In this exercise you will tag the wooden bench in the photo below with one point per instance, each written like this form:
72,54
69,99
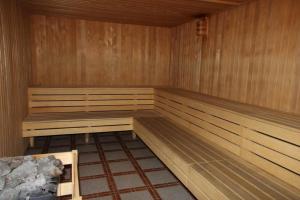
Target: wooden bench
57,111
218,149
224,150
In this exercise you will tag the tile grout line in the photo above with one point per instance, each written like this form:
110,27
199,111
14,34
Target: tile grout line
142,175
107,171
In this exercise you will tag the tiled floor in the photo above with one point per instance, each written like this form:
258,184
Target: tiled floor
113,167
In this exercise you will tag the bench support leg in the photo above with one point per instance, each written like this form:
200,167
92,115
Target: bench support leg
133,135
31,141
87,138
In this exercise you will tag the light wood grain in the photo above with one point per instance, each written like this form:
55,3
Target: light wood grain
246,136
43,100
60,115
14,66
207,170
79,53
251,55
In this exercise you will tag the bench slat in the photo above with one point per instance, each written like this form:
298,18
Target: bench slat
273,147
43,100
228,178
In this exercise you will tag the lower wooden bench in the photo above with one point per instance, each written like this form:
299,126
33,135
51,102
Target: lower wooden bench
47,124
208,171
68,188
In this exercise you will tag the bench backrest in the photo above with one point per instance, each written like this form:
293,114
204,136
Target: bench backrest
268,145
43,100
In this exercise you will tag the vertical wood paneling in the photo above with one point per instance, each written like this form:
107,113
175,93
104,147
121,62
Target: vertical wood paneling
71,52
14,61
251,55
186,56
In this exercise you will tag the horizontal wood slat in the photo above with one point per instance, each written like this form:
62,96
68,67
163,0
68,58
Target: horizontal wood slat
89,99
74,130
73,91
266,144
91,108
88,103
76,123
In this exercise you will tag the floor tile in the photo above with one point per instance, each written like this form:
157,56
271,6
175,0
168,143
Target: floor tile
135,144
139,153
115,155
150,163
113,150
86,148
141,195
91,170
111,146
124,166
159,177
88,157
126,137
59,149
92,186
128,181
107,138
175,193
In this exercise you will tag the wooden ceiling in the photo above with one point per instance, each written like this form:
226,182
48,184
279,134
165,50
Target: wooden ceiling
145,12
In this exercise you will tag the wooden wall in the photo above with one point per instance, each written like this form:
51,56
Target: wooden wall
186,56
14,62
251,55
69,52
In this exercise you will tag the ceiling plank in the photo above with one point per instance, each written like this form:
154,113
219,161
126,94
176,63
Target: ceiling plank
154,12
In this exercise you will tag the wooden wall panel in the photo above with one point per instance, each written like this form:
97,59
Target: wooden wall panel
186,56
71,52
14,62
251,55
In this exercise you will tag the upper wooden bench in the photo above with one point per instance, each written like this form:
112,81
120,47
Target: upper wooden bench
56,111
224,150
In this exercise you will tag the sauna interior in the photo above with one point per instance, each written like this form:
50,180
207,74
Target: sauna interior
153,99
